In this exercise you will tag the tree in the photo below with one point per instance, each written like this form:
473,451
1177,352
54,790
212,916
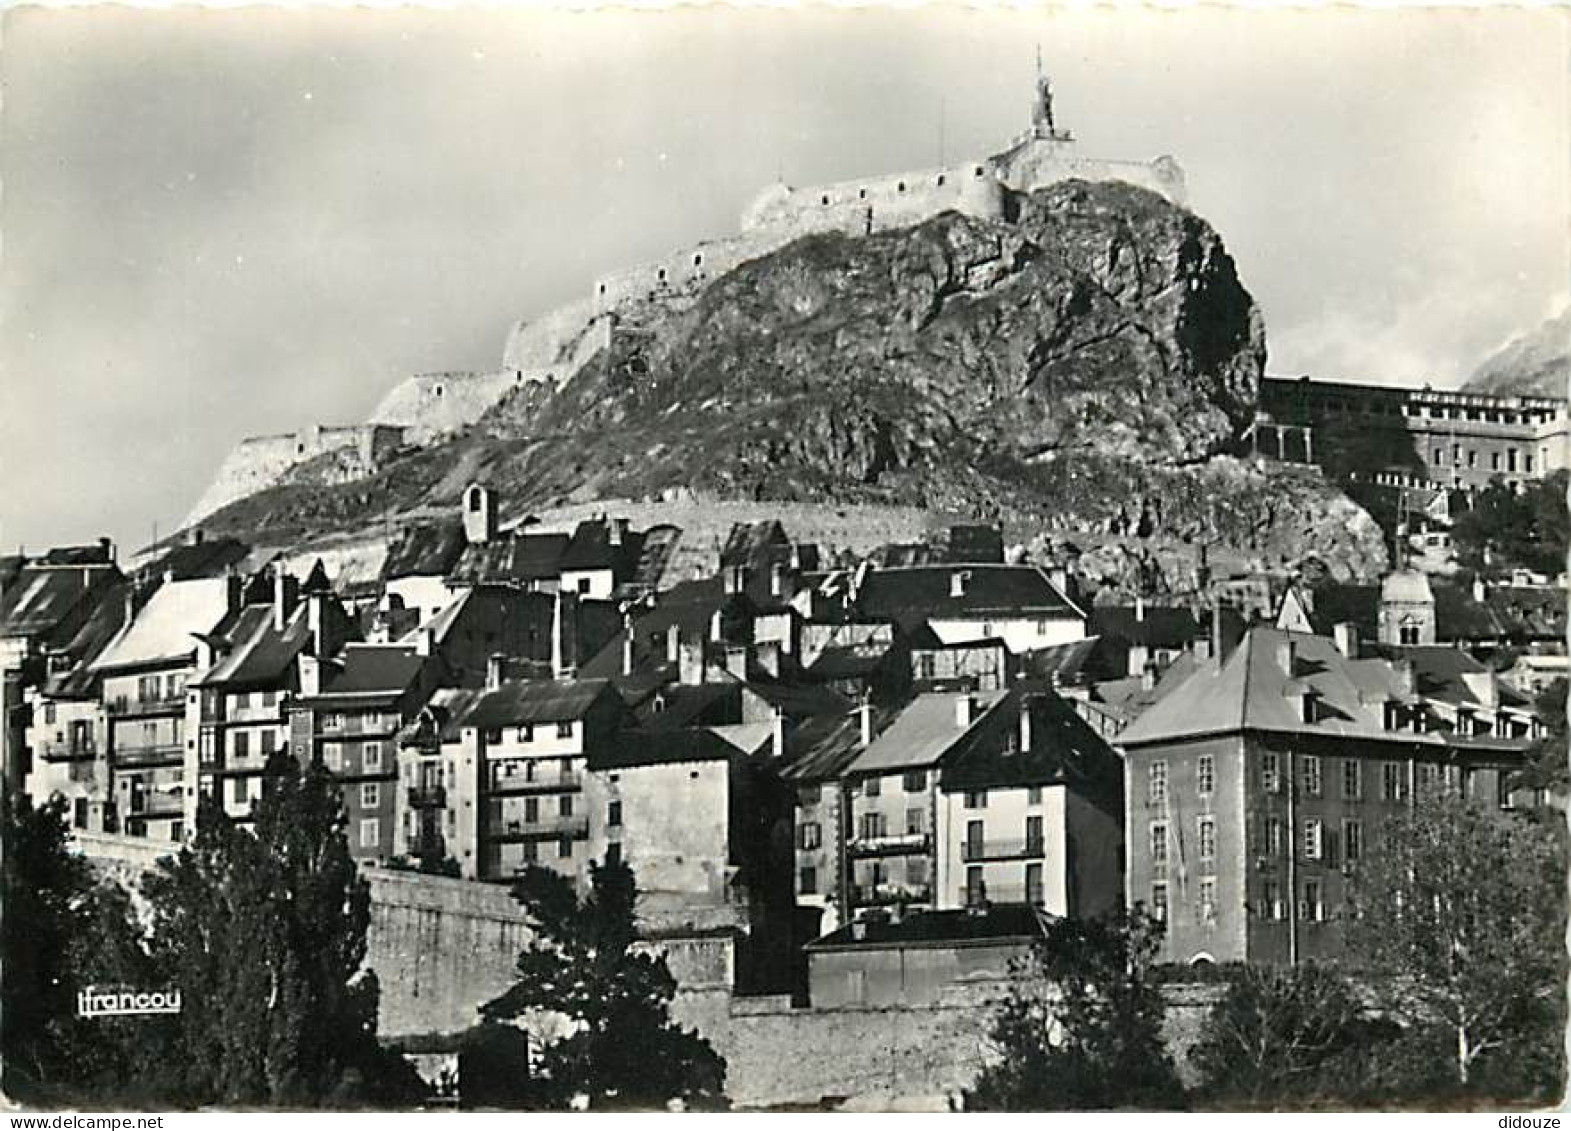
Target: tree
623,1050
264,933
1464,908
1504,528
1269,1038
1546,763
1082,1029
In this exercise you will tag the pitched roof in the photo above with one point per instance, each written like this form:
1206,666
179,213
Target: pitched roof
1342,603
103,624
924,732
368,669
42,597
755,545
988,589
823,746
535,701
636,747
1406,586
259,655
211,557
1064,662
511,560
164,629
592,547
1152,626
1252,688
426,550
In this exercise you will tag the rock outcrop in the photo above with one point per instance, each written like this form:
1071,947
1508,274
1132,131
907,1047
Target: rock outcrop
1535,364
1087,360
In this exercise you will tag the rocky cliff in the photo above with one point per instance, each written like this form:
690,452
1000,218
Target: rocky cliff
1086,361
1537,363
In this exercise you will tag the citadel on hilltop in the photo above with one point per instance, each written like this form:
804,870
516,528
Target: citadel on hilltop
554,347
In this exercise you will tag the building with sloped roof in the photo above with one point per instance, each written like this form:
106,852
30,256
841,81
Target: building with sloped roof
1018,604
1254,789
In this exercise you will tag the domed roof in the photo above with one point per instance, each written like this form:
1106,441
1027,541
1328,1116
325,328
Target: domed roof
769,199
1406,586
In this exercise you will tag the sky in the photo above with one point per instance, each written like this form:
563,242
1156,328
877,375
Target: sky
224,223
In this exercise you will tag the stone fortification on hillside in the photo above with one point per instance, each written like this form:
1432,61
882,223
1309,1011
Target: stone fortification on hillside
551,350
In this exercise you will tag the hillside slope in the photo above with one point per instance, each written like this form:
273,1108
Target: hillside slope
1086,362
1537,363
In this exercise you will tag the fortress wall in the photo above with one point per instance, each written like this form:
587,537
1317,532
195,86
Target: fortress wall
258,462
431,404
554,339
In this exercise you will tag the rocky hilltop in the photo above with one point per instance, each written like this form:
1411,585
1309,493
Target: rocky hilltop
1537,363
1086,361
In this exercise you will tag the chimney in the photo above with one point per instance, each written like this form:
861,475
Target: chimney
425,642
310,674
957,582
564,636
673,644
1403,679
1148,678
616,531
733,580
108,547
627,647
777,580
1480,590
865,719
965,709
193,537
1218,645
1139,659
736,661
777,733
1140,609
1286,653
1346,636
314,609
1025,723
1059,576
690,670
283,597
495,670
716,626
234,594
1201,648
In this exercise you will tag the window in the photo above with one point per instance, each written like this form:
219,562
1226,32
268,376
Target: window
1159,902
613,815
564,730
1311,908
269,698
872,787
492,736
915,820
370,833
269,743
242,743
331,721
531,851
370,795
1274,835
915,781
976,887
613,853
976,799
810,836
1156,784
1494,461
1208,900
1034,834
564,805
79,812
1352,841
1270,773
1312,775
1392,787
1034,795
1314,839
1207,838
1205,774
807,881
1034,885
975,831
564,848
916,870
1159,843
371,757
531,810
237,791
1352,779
872,826
526,733
1271,902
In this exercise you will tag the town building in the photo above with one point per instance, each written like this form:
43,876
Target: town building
1018,604
1254,788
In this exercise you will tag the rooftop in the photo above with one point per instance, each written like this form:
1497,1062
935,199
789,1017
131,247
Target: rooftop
895,594
165,628
996,923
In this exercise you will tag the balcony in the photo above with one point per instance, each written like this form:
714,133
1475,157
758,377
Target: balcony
428,845
163,754
546,828
427,797
518,784
887,895
68,751
999,893
154,804
906,844
123,708
1029,848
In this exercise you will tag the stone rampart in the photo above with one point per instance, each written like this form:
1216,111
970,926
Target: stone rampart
259,462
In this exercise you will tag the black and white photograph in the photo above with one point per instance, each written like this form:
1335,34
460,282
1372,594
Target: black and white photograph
756,558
